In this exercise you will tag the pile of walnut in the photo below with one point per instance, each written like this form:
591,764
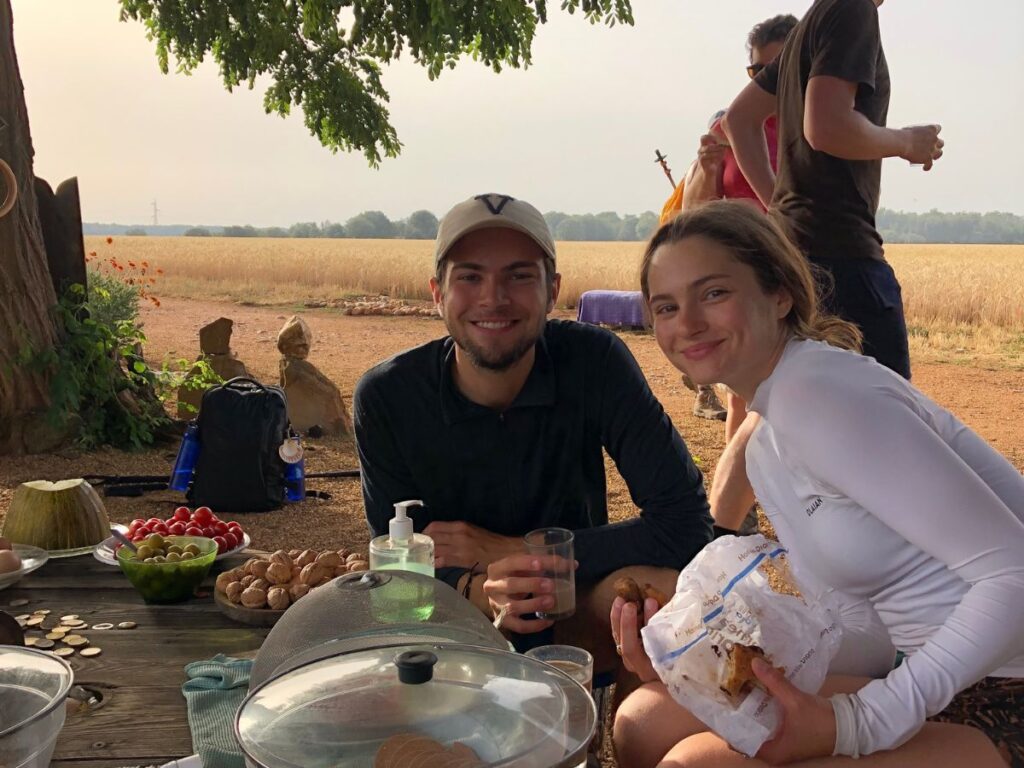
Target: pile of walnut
387,306
286,577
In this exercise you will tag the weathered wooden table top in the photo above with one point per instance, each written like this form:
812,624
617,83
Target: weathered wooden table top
142,718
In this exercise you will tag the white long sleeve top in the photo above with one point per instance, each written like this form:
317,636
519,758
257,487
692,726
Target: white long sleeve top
883,494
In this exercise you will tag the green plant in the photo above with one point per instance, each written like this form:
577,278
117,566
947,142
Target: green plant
111,299
98,376
196,375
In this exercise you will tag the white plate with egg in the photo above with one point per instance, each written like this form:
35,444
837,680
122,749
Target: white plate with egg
31,558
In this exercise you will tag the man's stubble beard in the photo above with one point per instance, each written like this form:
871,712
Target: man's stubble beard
479,357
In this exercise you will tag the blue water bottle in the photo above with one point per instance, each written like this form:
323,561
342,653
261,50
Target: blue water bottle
294,469
185,464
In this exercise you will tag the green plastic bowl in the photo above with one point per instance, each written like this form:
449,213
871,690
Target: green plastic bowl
169,582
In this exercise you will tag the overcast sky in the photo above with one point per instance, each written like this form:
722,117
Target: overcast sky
576,132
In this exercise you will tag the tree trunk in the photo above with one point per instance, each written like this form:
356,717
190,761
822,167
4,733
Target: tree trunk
26,292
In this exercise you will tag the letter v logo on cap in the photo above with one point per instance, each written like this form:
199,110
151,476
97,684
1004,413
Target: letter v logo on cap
492,206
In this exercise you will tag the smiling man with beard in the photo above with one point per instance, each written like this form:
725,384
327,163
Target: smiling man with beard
501,428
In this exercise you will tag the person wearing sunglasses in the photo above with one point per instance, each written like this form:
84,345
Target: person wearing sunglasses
714,175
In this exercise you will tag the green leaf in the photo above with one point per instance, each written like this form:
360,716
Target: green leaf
301,46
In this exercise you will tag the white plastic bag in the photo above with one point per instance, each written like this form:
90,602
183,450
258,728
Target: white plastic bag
724,597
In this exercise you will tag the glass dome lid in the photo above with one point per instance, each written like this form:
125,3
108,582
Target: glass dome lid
425,704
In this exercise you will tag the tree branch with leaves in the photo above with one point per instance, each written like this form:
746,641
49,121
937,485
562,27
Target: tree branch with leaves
325,56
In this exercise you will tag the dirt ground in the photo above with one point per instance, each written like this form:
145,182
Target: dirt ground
988,400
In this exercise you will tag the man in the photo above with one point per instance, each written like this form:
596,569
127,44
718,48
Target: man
830,89
499,427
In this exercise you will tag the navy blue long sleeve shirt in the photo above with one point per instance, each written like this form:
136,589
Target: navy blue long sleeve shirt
539,462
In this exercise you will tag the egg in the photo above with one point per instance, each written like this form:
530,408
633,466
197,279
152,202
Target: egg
9,561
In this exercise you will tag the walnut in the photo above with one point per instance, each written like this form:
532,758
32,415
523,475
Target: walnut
294,553
223,580
279,573
328,559
298,590
260,584
354,556
233,591
358,565
247,580
254,598
343,553
341,570
659,597
278,598
630,591
259,569
312,574
282,558
308,556
247,568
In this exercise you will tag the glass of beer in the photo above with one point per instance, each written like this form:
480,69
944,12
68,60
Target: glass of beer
554,548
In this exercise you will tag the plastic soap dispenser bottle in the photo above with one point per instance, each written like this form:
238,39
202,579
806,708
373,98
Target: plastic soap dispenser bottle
401,549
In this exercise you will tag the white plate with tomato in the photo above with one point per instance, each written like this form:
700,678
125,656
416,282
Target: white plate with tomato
229,535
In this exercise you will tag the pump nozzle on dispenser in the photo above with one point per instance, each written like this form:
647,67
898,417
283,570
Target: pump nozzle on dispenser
400,527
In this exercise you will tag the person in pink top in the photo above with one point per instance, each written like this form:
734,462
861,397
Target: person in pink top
715,175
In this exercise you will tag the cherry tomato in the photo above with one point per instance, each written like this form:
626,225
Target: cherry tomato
135,525
143,530
177,529
220,528
203,515
193,530
182,513
222,545
153,522
161,528
234,525
231,539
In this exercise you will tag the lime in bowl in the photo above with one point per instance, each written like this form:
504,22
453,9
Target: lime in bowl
167,569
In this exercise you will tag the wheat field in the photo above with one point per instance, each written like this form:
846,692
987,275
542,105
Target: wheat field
959,299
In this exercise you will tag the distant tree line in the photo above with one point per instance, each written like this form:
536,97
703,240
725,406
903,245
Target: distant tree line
895,226
421,225
938,227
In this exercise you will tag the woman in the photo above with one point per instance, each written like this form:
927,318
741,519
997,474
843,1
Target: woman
876,492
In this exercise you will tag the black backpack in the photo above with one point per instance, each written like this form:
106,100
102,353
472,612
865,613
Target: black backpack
242,424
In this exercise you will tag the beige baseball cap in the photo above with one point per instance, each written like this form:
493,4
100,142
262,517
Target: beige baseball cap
492,210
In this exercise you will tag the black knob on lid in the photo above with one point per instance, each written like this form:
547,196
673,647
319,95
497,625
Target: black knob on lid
415,667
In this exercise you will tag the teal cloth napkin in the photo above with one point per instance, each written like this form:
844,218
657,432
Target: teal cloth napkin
213,692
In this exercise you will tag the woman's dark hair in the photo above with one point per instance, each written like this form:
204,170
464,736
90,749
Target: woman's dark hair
773,30
755,240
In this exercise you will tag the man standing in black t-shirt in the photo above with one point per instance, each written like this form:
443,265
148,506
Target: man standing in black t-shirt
830,89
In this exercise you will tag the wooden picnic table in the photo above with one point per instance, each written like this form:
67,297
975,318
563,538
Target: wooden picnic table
141,719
